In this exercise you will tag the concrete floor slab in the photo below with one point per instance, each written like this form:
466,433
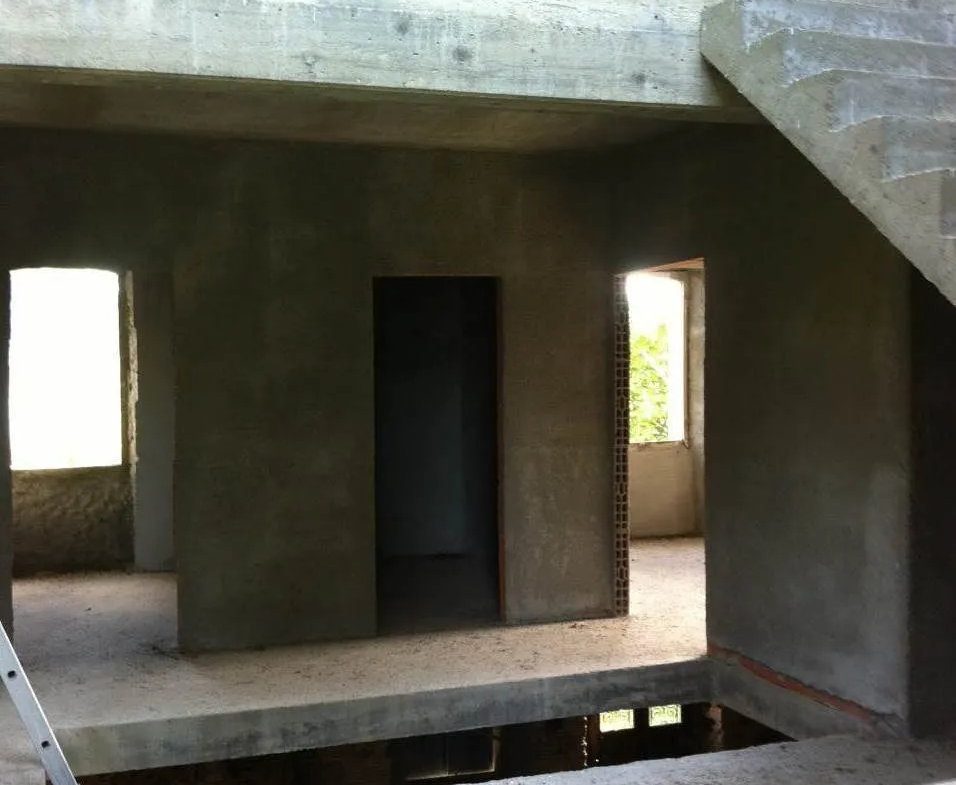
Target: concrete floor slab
835,760
101,650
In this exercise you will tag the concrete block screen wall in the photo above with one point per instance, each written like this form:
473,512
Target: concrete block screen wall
273,249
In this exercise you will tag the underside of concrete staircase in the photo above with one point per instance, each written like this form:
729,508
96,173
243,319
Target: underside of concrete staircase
868,93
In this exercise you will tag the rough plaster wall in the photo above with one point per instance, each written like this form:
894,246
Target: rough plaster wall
661,490
274,249
807,385
67,520
273,345
80,200
933,544
558,446
537,224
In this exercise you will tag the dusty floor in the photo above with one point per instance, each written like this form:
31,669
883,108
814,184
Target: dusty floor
668,586
101,651
835,760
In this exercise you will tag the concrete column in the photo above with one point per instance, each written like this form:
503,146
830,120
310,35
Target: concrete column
6,496
152,413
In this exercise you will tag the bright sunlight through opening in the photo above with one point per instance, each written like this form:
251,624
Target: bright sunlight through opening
65,385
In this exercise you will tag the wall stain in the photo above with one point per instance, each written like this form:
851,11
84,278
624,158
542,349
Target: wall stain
462,54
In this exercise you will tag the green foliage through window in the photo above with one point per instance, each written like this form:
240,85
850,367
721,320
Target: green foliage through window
648,391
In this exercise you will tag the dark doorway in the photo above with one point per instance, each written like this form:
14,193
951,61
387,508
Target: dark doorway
436,452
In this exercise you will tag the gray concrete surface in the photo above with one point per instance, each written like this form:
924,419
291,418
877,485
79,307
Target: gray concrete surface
273,349
101,650
644,53
274,473
808,436
796,71
557,507
267,281
152,406
696,400
26,773
668,585
838,760
68,520
221,108
807,362
661,490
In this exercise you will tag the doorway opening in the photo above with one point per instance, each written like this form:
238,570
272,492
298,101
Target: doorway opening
659,441
436,452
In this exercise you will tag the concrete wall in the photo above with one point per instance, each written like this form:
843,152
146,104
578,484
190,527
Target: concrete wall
933,538
645,53
661,490
273,250
274,494
696,436
274,411
807,365
68,520
151,402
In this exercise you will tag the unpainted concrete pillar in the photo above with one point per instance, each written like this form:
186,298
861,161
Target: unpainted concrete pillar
152,418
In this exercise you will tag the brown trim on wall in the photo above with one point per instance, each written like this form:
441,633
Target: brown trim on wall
790,684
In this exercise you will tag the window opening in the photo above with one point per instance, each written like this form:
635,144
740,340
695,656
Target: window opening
622,719
65,404
664,715
656,306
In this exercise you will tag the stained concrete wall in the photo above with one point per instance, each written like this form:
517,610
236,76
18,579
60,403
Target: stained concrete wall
273,339
273,250
67,520
807,365
539,224
933,538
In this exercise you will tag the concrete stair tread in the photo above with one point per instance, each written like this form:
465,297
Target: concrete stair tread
916,145
759,18
935,192
858,96
906,145
876,116
806,53
787,56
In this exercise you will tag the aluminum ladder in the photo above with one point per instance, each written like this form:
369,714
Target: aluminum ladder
31,714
